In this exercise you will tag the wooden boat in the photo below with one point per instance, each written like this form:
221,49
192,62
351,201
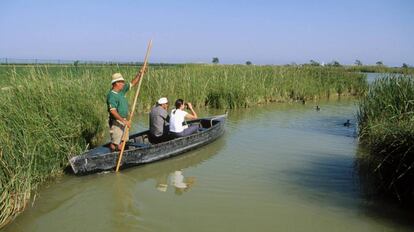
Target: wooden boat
139,150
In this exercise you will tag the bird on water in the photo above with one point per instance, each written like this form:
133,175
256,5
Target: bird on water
347,123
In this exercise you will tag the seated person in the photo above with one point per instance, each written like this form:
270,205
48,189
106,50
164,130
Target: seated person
177,117
158,120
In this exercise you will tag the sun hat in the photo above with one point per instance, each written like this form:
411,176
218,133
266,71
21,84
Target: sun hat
162,100
117,77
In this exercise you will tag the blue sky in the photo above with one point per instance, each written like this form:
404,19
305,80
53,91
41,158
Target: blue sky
264,32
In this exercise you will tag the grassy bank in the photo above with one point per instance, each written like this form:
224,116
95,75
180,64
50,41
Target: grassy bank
380,69
50,113
386,122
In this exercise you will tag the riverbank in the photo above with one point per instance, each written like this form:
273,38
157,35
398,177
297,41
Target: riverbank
51,113
386,126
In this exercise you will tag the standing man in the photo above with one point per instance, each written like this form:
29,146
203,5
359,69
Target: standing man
118,108
158,120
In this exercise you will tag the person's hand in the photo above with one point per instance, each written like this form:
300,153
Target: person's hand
189,105
126,123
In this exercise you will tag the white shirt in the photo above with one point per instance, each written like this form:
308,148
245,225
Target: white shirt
176,120
178,180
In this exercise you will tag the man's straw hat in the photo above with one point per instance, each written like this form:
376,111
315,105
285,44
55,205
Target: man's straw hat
117,77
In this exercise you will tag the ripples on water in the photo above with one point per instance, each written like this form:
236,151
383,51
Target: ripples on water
283,167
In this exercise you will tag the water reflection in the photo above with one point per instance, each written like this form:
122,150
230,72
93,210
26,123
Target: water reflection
375,204
126,208
177,180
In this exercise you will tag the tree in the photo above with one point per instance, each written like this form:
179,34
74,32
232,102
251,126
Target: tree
314,63
379,63
248,62
404,65
358,63
335,64
76,63
215,60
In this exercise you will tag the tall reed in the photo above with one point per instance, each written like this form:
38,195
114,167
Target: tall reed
386,122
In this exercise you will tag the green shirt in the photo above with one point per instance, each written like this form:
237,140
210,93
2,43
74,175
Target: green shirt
118,101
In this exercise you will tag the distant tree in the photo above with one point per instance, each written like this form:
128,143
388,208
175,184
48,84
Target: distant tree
404,65
335,64
215,60
358,63
379,63
314,63
248,62
76,63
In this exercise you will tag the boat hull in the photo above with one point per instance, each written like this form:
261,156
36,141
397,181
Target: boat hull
142,152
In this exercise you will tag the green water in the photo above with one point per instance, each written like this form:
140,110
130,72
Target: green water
280,167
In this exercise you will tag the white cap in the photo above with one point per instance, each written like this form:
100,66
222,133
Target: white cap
117,77
162,100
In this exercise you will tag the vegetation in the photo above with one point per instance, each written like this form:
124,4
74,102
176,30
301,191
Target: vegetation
50,113
380,69
386,123
215,60
314,63
334,64
358,63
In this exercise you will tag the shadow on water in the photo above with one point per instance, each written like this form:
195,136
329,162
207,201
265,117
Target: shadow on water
328,178
337,180
375,204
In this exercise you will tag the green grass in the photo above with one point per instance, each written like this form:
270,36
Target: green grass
380,69
52,112
386,122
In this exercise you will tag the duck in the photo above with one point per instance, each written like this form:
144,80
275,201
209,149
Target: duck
347,123
317,108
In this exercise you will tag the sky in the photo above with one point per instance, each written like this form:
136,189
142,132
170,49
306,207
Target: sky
260,31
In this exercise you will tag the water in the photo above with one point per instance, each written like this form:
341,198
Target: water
280,167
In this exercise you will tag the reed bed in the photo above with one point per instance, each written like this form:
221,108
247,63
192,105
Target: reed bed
244,86
380,69
386,122
50,113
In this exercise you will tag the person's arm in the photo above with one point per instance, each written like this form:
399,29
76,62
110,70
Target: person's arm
165,116
136,78
193,114
116,115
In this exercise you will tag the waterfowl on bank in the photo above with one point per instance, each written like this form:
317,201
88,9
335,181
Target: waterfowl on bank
347,123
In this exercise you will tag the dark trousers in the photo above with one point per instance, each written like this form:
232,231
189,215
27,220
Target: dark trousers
190,130
154,139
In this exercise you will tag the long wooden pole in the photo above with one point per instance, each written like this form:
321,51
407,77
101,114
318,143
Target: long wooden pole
126,130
